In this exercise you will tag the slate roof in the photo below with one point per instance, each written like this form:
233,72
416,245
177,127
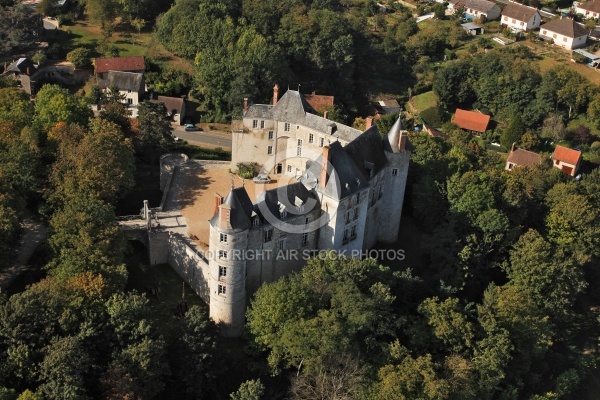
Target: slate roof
483,6
567,155
124,64
319,102
292,107
288,198
22,66
566,27
524,157
123,80
471,120
172,103
367,152
241,209
519,11
593,6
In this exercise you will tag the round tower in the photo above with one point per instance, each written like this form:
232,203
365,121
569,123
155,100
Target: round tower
227,283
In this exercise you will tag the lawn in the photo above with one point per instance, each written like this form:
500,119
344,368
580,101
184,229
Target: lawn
126,42
424,101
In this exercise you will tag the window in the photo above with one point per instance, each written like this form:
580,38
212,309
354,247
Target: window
353,232
262,124
347,217
282,244
223,237
544,32
306,220
256,221
268,235
554,36
222,272
286,127
129,101
322,142
356,213
283,213
311,138
346,236
289,168
222,254
269,149
299,142
270,135
222,290
304,239
394,171
564,39
254,123
380,191
299,151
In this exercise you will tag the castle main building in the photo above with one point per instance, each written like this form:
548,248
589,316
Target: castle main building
344,192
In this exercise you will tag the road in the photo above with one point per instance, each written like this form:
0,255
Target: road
211,139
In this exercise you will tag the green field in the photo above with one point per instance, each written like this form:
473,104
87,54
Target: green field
424,101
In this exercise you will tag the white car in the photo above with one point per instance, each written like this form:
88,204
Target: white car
261,178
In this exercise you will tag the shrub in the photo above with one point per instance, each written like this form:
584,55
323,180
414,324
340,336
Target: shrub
246,170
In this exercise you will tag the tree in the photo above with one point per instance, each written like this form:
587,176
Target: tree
249,390
103,13
80,57
19,28
138,24
54,104
333,306
39,57
48,7
15,106
154,130
513,132
554,127
64,368
449,323
452,85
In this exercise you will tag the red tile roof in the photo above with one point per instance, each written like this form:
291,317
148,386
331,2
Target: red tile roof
319,102
566,155
123,64
524,157
471,120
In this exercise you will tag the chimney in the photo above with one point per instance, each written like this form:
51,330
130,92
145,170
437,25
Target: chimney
402,141
218,202
275,93
369,122
324,166
512,148
325,114
245,104
27,71
224,216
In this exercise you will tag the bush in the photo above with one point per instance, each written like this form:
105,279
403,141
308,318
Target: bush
246,171
432,116
80,57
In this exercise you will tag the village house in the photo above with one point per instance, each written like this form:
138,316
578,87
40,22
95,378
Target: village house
130,85
176,109
26,72
564,32
471,121
567,160
518,17
482,9
133,64
521,158
320,103
589,9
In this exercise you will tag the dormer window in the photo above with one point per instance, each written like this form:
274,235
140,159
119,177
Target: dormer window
256,222
283,213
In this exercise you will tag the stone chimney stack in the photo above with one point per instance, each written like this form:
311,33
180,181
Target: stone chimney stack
27,71
368,122
245,104
512,148
324,166
325,114
218,202
402,141
275,94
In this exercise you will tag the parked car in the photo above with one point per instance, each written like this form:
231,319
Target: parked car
190,127
261,178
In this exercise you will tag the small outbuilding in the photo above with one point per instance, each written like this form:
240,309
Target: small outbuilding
521,158
472,29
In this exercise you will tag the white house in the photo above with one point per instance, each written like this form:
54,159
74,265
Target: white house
589,9
131,85
518,17
564,32
477,8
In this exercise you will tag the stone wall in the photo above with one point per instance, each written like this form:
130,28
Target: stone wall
187,260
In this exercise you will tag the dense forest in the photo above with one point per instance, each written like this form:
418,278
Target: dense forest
496,298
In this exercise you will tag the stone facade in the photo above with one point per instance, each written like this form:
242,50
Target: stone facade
347,196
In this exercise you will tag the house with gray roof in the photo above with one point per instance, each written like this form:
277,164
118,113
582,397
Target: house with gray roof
564,32
129,84
482,9
520,18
